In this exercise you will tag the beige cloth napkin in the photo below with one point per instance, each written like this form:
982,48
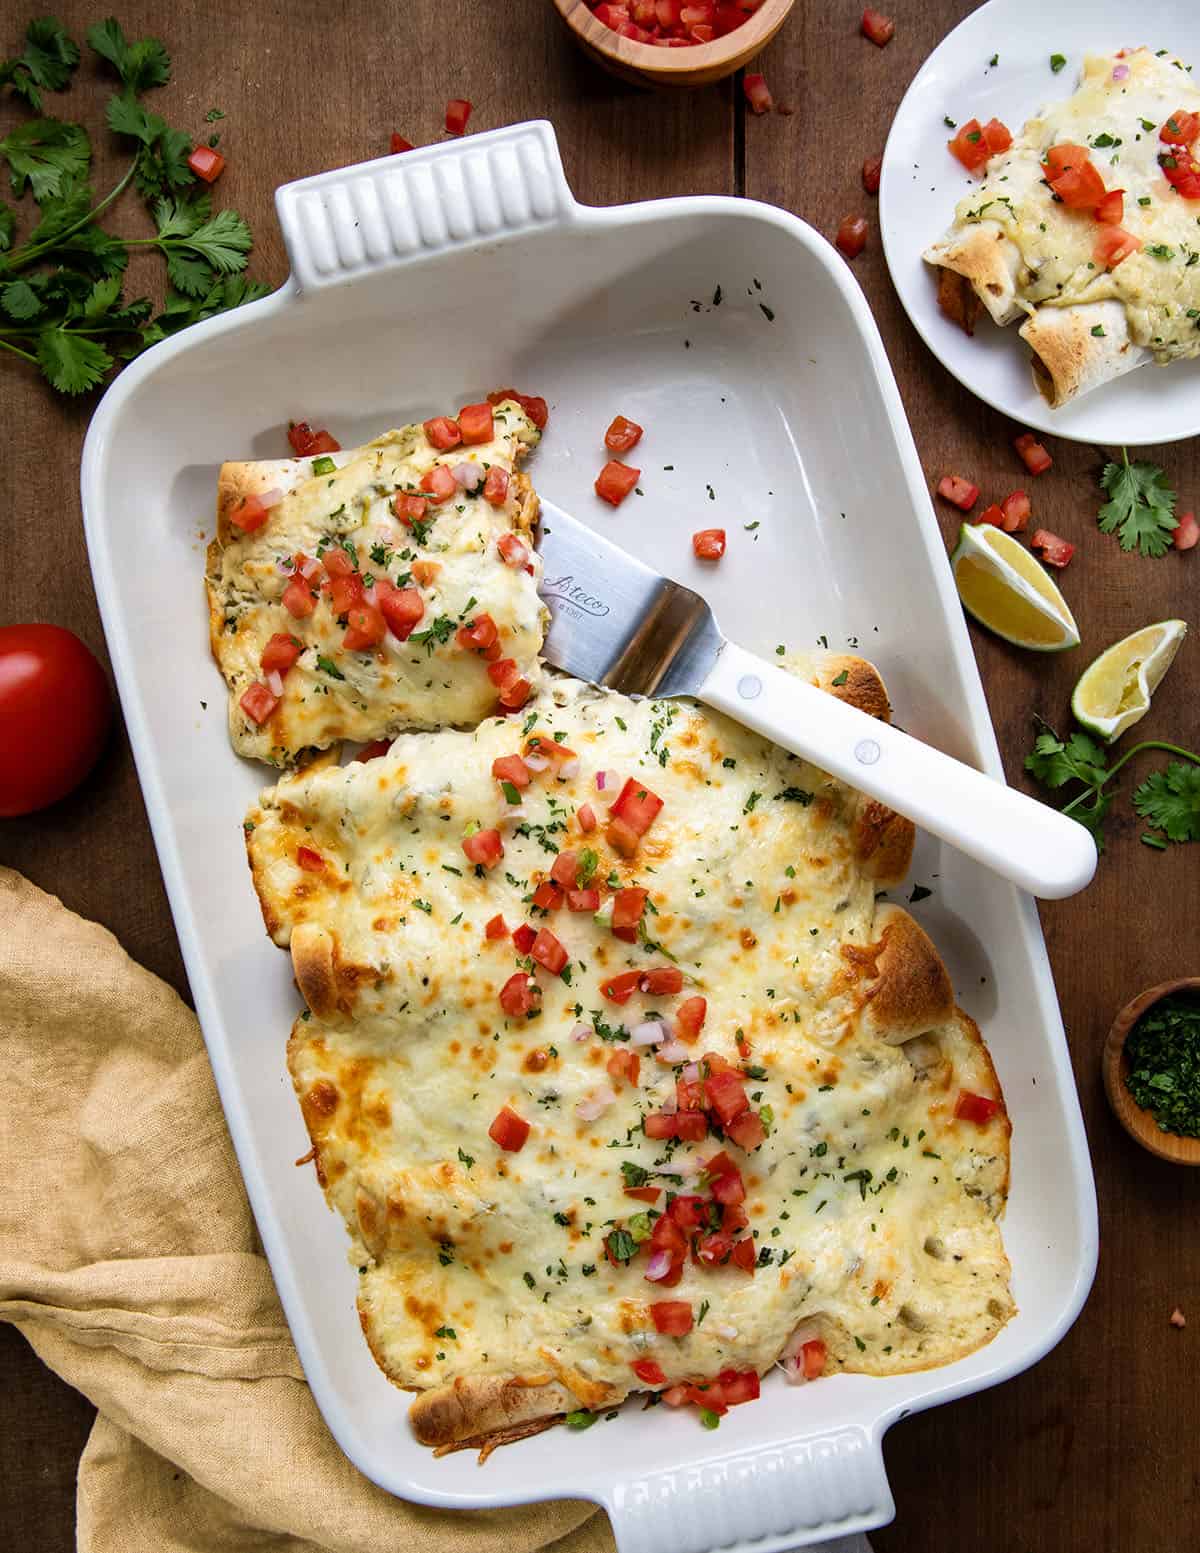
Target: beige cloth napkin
129,1259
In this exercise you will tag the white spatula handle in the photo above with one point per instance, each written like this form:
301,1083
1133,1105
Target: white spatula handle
1036,847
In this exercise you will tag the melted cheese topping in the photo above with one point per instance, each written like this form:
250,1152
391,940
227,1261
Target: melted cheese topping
872,1208
1119,121
428,681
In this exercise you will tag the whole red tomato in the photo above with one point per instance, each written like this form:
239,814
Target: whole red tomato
55,709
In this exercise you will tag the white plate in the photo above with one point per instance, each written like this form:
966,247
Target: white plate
922,183
419,282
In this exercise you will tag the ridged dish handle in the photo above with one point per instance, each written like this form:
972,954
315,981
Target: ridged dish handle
378,215
819,1492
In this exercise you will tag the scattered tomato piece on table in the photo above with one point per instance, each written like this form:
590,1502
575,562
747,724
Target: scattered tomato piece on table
615,481
758,94
1186,532
458,111
1033,454
206,163
872,172
961,492
400,144
1050,549
879,28
852,236
709,544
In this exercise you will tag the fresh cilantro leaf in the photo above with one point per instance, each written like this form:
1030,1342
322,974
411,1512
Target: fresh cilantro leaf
162,165
1170,801
140,65
45,155
126,116
181,217
103,297
20,301
189,274
223,242
1141,508
1092,814
49,57
71,363
8,225
1055,763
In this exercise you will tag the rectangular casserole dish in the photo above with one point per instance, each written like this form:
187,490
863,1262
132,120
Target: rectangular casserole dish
420,282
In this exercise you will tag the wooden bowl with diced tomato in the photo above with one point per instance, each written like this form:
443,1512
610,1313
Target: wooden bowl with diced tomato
699,40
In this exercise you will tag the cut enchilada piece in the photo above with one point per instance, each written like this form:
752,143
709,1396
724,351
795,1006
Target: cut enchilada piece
1086,229
498,1053
389,586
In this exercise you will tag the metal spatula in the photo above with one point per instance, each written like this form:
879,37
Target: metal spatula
617,623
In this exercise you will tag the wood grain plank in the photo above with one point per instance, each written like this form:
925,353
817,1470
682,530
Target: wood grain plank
1076,1454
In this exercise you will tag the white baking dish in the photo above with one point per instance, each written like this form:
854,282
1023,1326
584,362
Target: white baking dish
420,282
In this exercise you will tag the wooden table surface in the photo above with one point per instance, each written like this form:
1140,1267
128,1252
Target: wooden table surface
1095,1449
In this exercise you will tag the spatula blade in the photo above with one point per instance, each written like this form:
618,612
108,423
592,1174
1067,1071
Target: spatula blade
616,622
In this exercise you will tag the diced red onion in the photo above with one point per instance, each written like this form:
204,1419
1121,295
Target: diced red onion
536,762
608,781
371,595
689,1165
581,1032
310,568
271,498
1120,72
692,1072
672,1052
569,770
658,1266
670,1105
594,1104
793,1370
275,682
285,566
648,1034
467,474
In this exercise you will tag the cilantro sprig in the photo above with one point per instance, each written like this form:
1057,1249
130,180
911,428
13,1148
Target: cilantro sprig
61,304
1169,800
1141,506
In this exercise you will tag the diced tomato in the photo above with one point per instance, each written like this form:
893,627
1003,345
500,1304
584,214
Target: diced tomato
1186,532
673,1318
1114,245
621,987
628,906
338,562
306,442
520,995
649,1194
345,593
478,635
514,552
872,172
969,146
1111,209
249,515
258,702
758,93
443,432
739,1386
744,1255
688,1211
812,1358
206,163
549,749
667,1236
298,598
993,514
615,481
534,406
746,1130
515,692
509,1131
410,509
548,952
587,818
485,848
547,896
280,653
565,869
1063,157
1072,175
708,544
475,423
503,672
1182,171
495,487
728,1187
496,927
714,1249
648,1371
1033,454
637,806
734,1217
400,144
623,838
624,1064
622,435
661,981
961,492
1181,128
877,27
691,1126
852,236
511,768
366,628
1017,509
583,900
1051,549
658,1124
726,1096
458,111
439,482
971,1107
523,937
311,861
689,1018
375,748
402,608
996,137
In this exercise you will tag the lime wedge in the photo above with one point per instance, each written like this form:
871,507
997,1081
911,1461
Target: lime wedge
1001,584
1114,692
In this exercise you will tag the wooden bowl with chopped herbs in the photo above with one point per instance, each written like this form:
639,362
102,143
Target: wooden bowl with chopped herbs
1152,1069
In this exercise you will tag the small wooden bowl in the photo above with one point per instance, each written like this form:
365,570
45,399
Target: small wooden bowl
646,65
1138,1123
